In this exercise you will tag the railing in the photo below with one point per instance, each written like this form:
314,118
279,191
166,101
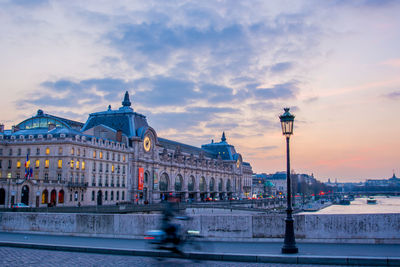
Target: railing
79,185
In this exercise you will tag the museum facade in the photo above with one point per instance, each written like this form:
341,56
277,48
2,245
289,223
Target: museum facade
114,157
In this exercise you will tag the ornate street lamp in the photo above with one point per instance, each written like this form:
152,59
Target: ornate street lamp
289,245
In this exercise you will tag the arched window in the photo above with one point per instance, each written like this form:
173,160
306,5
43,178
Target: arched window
164,182
191,184
203,185
212,183
146,177
53,196
228,185
2,196
61,196
45,197
220,185
178,183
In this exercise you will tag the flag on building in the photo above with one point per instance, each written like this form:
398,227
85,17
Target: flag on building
27,163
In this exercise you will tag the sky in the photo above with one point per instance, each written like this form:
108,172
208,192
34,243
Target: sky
198,68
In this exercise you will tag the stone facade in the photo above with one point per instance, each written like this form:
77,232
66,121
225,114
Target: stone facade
114,157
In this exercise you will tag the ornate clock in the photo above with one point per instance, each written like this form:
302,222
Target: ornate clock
147,143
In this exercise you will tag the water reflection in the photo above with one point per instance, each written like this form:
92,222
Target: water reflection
359,206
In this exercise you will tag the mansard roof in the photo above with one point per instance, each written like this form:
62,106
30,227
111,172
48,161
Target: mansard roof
124,119
169,144
222,148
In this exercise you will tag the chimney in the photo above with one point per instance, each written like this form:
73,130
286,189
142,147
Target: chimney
51,126
119,136
1,128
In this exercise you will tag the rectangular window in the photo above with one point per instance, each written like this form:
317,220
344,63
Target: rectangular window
18,164
123,158
112,168
79,152
59,176
46,176
37,163
59,164
83,165
1,151
10,152
77,164
18,175
101,154
9,164
19,151
36,175
107,155
94,154
28,151
47,151
1,164
9,175
71,164
94,166
60,150
72,151
46,163
37,151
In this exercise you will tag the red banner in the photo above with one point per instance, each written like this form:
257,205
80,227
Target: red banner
140,179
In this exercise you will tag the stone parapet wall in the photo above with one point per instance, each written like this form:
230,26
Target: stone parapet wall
357,228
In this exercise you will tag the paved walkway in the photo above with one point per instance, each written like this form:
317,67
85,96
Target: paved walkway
309,253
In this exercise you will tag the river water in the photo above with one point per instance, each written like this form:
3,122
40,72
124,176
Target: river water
359,206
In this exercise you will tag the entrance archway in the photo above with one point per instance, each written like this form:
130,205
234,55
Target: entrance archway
2,196
99,198
53,197
25,195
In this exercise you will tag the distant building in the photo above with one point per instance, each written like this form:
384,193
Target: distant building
114,157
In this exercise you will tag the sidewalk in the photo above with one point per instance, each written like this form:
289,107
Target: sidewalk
309,253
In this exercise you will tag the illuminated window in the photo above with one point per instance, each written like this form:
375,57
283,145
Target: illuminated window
77,164
83,165
123,158
37,163
72,151
18,164
101,154
72,164
59,163
112,168
46,163
60,150
9,175
94,154
47,151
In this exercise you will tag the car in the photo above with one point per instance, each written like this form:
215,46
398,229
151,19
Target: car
19,205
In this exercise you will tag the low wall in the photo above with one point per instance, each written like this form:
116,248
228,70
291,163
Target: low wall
357,228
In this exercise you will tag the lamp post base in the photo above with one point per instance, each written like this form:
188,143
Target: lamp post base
290,250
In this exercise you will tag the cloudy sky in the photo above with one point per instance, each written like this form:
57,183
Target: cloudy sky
197,68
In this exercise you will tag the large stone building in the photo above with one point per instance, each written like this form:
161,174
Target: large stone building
114,157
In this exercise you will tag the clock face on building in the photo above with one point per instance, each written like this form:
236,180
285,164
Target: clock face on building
147,143
238,163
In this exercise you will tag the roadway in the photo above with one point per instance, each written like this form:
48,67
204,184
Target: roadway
309,253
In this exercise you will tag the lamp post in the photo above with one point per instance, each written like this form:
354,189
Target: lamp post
289,245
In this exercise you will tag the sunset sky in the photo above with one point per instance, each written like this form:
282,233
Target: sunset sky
197,68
